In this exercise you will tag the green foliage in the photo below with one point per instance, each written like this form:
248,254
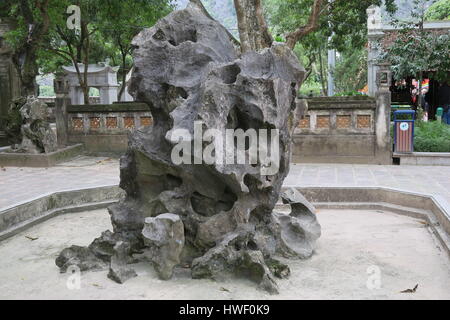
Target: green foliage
110,26
279,38
118,27
348,94
345,21
440,10
432,137
46,91
311,88
416,50
18,37
350,72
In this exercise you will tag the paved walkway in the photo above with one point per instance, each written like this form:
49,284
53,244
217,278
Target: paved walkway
19,185
422,179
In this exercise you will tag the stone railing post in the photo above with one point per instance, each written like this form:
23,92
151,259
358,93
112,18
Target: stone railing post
383,146
62,100
375,35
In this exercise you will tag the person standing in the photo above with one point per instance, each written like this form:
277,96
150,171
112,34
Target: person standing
444,101
424,104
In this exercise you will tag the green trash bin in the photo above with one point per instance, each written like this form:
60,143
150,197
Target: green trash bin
439,114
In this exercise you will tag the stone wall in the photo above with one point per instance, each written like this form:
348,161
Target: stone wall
105,128
334,130
340,130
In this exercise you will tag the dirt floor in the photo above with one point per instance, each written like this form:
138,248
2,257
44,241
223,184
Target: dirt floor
361,255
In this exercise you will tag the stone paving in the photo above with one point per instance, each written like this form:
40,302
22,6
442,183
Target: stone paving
19,185
433,180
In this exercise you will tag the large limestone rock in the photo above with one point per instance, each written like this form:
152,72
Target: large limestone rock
188,71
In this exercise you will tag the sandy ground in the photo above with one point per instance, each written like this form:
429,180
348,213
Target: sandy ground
354,246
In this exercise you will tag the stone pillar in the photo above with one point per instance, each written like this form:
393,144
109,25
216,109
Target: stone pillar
62,100
383,146
374,35
108,95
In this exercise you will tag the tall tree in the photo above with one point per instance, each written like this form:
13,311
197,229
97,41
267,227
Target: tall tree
416,50
439,10
119,27
74,45
32,23
345,21
327,24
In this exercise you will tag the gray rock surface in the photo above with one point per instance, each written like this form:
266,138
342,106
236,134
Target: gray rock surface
187,69
300,229
119,270
81,257
164,236
37,136
234,255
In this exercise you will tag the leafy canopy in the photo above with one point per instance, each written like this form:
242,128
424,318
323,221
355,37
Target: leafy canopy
416,50
440,10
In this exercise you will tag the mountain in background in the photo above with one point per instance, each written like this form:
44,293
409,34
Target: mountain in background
221,10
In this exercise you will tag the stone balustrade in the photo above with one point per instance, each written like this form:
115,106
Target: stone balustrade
339,115
105,128
338,129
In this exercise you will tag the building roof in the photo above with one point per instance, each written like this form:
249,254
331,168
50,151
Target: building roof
92,68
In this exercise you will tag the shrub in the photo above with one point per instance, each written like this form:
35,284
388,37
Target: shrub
349,94
432,137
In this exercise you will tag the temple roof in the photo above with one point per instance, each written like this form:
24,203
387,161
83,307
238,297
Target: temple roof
92,68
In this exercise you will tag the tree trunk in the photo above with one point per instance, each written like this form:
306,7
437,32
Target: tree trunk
421,72
253,31
27,70
85,85
124,76
322,78
309,67
24,58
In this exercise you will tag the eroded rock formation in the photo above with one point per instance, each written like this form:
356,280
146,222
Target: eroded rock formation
217,218
36,134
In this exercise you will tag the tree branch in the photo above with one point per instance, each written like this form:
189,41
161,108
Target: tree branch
313,23
62,53
43,8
